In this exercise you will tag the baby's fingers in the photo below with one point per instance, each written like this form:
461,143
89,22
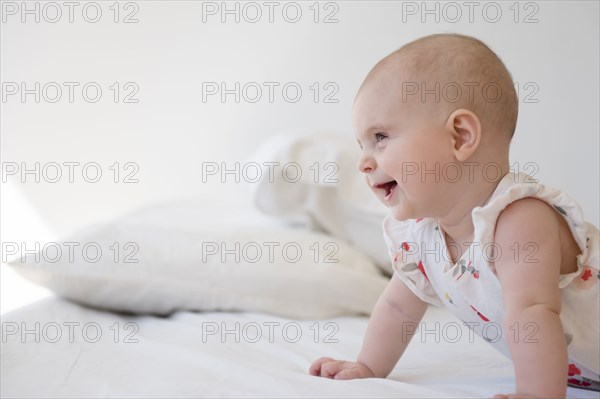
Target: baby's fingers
334,368
351,373
315,367
330,369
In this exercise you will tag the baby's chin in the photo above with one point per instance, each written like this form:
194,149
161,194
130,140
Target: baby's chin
400,212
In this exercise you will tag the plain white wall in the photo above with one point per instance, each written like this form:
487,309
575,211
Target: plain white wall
171,51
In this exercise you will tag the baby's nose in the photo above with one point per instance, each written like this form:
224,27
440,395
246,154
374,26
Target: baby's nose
366,163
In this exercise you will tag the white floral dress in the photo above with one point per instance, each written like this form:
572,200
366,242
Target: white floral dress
471,290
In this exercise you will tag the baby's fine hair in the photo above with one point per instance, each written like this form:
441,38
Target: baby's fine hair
459,63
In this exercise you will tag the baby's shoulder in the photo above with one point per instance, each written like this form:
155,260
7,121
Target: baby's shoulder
533,229
528,217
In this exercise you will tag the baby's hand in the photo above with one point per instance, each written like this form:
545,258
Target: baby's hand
339,369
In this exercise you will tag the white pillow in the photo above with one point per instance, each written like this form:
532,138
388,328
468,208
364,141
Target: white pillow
180,266
329,195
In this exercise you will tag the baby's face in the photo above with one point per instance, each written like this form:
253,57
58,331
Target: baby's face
402,145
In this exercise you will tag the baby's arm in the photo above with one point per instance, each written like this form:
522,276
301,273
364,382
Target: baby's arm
386,338
529,280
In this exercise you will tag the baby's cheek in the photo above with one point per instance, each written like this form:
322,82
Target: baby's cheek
396,164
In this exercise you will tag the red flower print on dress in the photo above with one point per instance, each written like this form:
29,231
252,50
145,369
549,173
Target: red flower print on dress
404,246
574,370
422,269
479,314
583,383
474,272
586,274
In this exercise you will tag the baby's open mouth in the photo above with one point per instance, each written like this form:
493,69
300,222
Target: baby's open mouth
388,187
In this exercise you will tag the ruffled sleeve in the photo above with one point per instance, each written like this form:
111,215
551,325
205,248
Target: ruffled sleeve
406,265
516,187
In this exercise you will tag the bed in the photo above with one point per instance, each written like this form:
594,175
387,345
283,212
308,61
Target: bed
178,323
182,356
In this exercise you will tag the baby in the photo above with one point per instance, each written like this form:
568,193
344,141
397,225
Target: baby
434,121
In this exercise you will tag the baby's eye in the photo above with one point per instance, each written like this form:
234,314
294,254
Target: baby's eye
379,136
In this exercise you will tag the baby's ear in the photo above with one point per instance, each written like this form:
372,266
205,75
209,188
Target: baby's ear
465,128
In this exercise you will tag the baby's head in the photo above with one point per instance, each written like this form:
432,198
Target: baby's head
429,118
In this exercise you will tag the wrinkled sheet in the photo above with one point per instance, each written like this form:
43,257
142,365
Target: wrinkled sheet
221,354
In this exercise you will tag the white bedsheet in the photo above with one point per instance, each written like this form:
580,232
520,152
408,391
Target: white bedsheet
170,358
